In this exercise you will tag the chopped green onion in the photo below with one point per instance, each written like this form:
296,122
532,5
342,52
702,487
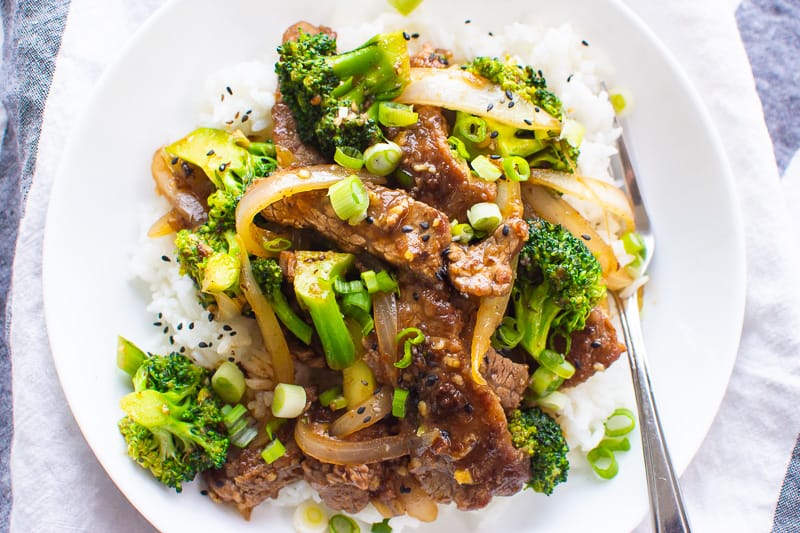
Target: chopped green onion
363,318
273,451
129,356
462,233
418,338
484,216
603,462
516,168
288,401
382,158
340,402
340,286
394,114
359,300
231,415
616,444
633,243
459,147
329,395
555,362
379,282
545,381
349,199
405,7
272,427
485,169
243,437
619,100
381,527
399,402
278,244
555,401
310,517
508,335
349,157
228,382
404,178
340,523
621,422
470,127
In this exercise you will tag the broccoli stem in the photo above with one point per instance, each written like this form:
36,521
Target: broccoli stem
313,284
289,318
535,312
356,61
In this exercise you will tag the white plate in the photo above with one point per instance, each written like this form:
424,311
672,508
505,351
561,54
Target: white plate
694,304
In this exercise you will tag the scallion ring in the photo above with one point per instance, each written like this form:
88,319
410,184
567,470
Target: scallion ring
603,462
484,216
349,157
393,114
288,400
555,362
516,168
340,523
615,444
349,199
382,158
485,169
458,146
471,128
418,338
399,403
310,517
273,451
545,381
621,422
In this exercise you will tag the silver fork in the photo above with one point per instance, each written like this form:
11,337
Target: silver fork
666,503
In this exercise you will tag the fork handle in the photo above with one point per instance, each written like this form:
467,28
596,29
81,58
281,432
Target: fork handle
666,503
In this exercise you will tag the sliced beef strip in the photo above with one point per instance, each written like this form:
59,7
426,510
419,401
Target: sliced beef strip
506,378
246,479
343,488
485,269
440,178
430,57
476,443
594,348
292,152
402,231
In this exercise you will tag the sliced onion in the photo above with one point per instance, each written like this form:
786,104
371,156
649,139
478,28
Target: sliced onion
606,195
186,204
375,408
274,341
168,223
459,90
266,191
227,306
492,308
315,441
417,502
544,203
384,309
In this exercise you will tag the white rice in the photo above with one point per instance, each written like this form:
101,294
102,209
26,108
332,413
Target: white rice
573,71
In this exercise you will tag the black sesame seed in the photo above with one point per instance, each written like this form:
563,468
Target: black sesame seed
165,330
467,21
367,419
203,344
528,121
157,324
491,34
406,36
226,327
191,325
229,122
511,104
407,228
165,258
536,109
369,219
361,410
179,326
415,35
404,489
596,344
424,225
584,42
160,315
223,166
210,317
171,340
219,337
506,230
232,359
174,160
248,111
430,380
495,156
233,333
374,346
415,295
468,408
494,134
489,107
569,78
244,118
210,153
426,237
586,237
229,90
183,349
204,492
509,94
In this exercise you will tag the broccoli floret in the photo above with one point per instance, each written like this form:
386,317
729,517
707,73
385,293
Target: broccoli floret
209,253
313,285
538,435
269,277
559,281
173,423
330,95
525,81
